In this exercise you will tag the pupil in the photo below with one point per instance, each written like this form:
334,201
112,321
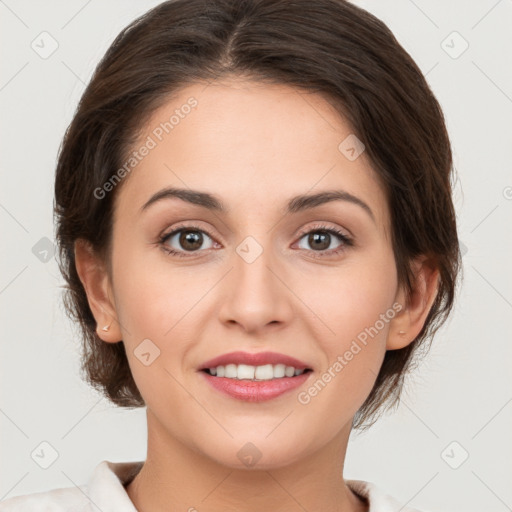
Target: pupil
191,240
319,240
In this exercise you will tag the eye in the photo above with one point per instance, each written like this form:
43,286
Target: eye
321,237
190,238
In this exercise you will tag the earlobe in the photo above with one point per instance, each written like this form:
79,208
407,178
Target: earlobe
96,282
409,322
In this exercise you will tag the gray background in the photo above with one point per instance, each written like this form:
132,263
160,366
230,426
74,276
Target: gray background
457,403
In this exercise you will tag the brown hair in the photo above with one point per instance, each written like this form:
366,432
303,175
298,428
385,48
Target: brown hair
327,46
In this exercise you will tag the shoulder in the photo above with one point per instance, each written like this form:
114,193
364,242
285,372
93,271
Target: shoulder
56,500
378,500
103,491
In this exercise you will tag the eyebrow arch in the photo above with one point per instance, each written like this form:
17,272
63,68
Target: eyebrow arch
295,204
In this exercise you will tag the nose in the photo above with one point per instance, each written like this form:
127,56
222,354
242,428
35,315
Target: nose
256,294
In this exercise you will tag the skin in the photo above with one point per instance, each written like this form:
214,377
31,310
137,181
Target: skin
255,146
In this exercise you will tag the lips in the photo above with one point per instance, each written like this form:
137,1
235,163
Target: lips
257,359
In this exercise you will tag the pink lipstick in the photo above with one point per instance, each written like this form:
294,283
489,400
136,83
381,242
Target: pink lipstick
255,377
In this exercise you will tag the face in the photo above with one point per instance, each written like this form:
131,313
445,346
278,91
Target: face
310,280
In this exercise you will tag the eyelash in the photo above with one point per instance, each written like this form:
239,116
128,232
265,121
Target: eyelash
346,241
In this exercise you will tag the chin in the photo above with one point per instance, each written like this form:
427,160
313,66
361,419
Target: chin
254,453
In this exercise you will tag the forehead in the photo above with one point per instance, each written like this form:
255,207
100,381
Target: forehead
253,144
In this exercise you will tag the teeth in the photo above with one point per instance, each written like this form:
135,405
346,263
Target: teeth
248,372
244,371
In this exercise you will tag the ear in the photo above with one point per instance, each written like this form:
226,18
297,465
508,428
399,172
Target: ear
409,322
95,279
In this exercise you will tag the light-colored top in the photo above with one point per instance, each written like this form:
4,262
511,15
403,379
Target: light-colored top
105,491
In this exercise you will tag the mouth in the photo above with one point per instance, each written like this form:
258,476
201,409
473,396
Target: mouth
255,377
255,373
260,366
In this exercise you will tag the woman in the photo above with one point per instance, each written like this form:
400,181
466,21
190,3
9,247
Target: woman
255,223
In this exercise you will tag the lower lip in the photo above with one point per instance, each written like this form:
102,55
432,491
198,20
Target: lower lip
255,391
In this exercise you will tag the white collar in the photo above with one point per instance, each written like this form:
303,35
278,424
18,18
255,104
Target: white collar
106,489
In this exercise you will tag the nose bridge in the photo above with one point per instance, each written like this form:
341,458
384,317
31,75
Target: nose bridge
253,264
256,294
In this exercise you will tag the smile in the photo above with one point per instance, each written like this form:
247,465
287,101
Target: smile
255,373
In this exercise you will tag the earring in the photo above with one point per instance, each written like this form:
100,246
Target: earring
106,328
401,333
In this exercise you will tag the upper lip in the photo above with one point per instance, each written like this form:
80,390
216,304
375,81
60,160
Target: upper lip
255,359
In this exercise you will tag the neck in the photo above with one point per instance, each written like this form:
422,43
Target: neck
174,477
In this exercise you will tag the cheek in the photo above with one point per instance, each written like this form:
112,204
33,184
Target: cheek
152,302
151,296
157,302
350,301
355,308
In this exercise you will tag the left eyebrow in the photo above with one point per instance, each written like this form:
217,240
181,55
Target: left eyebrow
295,204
